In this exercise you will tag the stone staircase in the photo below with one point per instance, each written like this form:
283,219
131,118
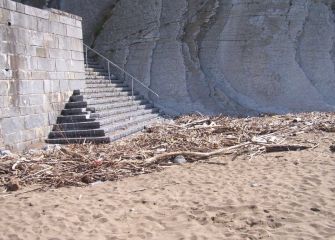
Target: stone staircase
104,111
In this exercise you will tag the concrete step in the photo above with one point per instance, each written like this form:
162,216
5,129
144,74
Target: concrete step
116,111
114,118
91,62
130,130
100,77
77,98
103,81
76,126
77,133
74,118
106,85
99,74
117,105
109,94
95,73
71,105
110,127
89,91
96,140
114,99
74,111
95,69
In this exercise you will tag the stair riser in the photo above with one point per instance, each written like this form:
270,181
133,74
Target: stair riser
107,95
100,77
112,100
98,74
104,91
95,69
106,81
118,105
77,126
78,141
78,98
127,115
74,119
71,105
77,134
125,133
106,125
107,113
106,85
75,111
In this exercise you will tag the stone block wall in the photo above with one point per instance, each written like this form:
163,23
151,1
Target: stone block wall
41,63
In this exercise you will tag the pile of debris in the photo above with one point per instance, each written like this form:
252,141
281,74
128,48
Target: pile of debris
188,138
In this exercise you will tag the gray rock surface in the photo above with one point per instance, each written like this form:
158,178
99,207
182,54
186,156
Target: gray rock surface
220,56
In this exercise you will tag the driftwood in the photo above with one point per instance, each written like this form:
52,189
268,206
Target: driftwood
284,148
194,137
200,155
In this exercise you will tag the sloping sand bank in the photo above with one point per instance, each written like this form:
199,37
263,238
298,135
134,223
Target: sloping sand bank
288,195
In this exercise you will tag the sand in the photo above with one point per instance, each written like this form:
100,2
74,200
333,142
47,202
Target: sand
275,196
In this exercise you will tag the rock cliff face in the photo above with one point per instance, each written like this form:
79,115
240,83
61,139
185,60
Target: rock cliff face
220,56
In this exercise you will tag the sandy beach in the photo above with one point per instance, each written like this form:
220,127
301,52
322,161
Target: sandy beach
286,195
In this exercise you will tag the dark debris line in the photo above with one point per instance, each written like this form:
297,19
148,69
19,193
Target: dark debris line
79,165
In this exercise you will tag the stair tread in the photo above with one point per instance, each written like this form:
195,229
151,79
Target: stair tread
127,114
132,129
78,140
109,126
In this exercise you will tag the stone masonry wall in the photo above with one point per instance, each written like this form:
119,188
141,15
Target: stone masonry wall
41,63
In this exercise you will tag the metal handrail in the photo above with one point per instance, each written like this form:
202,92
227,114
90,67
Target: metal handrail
121,69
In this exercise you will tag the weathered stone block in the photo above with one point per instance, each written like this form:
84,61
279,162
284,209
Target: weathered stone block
37,12
11,139
36,38
74,32
39,75
21,8
51,86
4,17
24,21
27,135
67,20
41,52
56,75
75,66
46,64
12,125
35,121
59,53
10,5
76,44
64,85
77,84
31,87
50,40
57,28
77,55
61,65
42,25
4,87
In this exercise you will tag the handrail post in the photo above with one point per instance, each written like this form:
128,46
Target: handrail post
109,73
86,51
132,89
